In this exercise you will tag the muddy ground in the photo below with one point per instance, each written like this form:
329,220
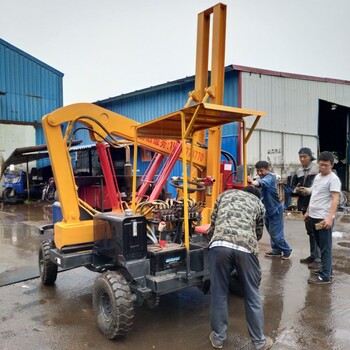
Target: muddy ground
297,315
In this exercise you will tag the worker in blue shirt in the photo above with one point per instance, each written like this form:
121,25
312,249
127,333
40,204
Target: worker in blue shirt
274,221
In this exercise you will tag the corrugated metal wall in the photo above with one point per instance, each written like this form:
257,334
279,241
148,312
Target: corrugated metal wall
291,121
150,103
29,89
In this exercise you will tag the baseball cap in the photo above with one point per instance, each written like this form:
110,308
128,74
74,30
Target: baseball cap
307,151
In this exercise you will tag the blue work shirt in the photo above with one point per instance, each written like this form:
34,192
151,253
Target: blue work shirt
270,197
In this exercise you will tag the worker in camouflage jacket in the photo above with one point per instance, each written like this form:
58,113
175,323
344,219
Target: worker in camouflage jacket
236,226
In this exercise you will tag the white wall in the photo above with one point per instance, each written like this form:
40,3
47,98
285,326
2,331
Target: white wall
291,121
14,136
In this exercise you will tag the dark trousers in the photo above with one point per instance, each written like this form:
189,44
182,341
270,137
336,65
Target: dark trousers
324,241
314,248
222,261
275,227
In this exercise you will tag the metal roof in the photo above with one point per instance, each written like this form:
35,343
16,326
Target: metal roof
231,67
29,57
28,154
29,88
288,75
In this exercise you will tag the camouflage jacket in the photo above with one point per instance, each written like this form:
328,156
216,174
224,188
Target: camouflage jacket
238,217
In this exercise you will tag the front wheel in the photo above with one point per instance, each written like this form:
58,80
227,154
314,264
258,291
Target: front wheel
113,305
47,268
9,196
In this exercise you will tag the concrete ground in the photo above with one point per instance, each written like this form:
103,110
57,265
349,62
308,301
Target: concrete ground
297,315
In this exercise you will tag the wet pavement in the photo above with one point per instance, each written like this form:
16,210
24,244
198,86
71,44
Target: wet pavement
297,315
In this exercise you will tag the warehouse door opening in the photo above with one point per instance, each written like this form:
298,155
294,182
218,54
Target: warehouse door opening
333,132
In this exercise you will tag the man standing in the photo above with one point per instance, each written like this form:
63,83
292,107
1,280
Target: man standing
320,214
304,178
236,226
274,221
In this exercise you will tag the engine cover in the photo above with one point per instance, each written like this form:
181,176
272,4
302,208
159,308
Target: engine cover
119,238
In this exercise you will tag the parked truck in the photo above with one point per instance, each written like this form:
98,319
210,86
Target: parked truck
20,186
145,247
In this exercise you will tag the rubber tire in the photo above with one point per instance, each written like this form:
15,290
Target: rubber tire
7,199
113,305
47,268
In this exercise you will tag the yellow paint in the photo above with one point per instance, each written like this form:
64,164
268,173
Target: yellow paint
72,234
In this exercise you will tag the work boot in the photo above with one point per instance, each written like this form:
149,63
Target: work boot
268,344
318,280
214,343
307,260
273,255
286,256
316,265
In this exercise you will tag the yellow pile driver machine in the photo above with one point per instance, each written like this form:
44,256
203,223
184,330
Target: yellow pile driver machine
145,247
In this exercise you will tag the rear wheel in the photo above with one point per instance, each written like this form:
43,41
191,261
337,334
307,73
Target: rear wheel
113,305
48,269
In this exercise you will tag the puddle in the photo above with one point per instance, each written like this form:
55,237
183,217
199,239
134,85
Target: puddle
344,244
345,219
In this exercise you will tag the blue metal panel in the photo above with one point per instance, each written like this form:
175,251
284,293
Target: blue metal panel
230,144
154,102
40,140
150,103
29,88
230,99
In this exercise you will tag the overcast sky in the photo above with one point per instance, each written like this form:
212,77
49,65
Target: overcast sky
109,47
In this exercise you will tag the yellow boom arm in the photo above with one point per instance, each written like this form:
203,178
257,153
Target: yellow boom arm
187,125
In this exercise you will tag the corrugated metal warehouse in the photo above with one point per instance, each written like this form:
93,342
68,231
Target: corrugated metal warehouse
29,89
301,111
